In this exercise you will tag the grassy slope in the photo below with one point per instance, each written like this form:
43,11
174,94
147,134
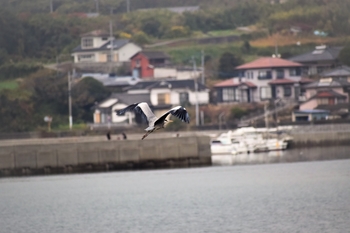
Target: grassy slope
11,84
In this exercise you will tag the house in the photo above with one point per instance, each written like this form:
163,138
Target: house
319,60
160,95
339,73
332,89
172,92
310,115
262,79
144,63
104,114
326,91
98,48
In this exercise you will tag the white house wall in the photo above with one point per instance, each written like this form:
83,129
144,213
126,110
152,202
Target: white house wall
264,82
311,104
117,119
174,73
165,72
98,42
186,74
127,51
154,95
203,96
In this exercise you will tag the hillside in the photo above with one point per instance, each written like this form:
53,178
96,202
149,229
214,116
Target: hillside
31,38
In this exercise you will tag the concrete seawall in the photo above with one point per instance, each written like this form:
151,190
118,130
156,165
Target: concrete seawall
309,139
50,157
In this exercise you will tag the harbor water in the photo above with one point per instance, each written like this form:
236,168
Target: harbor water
295,191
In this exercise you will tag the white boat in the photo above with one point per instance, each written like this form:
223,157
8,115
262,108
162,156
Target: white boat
248,140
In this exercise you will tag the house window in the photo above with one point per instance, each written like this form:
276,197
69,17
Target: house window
250,75
164,98
280,73
109,58
265,93
264,74
322,101
294,71
87,43
86,57
104,38
287,91
228,94
183,98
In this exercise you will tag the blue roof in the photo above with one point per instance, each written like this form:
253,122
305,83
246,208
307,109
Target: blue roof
308,111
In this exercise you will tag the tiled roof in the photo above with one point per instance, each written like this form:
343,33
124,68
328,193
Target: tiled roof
305,80
124,98
153,54
281,81
231,83
226,83
321,53
329,93
249,84
173,84
339,71
132,98
322,84
268,62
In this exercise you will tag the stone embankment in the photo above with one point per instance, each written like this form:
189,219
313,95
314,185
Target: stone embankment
85,154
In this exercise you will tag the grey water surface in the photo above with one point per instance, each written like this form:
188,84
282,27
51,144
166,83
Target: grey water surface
308,197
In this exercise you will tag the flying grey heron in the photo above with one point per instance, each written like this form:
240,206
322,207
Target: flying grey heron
155,123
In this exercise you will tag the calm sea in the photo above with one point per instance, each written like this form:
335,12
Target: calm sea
308,197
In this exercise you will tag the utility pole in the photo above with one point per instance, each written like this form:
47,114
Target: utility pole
196,89
112,44
97,6
266,117
203,69
70,101
51,6
127,6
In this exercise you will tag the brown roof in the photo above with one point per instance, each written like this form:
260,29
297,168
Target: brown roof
249,84
226,83
328,93
268,62
306,80
281,81
231,83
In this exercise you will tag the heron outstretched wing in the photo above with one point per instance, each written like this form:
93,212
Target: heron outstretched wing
140,108
179,111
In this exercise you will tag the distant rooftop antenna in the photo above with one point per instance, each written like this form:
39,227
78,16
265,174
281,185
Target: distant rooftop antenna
51,6
97,6
127,6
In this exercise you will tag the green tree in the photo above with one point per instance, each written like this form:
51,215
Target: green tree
151,26
228,63
15,114
344,55
85,94
140,38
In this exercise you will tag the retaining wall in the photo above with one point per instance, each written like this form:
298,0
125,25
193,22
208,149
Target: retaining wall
326,138
82,156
